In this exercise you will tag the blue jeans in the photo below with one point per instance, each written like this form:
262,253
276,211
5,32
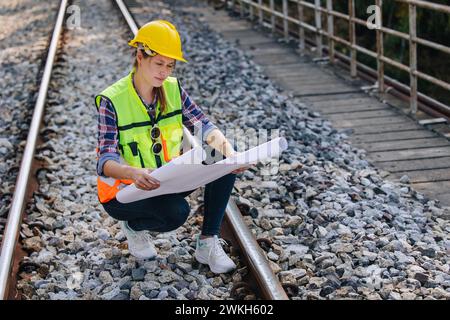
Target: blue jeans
168,212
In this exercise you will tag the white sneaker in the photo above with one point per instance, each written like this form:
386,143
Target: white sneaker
209,251
139,242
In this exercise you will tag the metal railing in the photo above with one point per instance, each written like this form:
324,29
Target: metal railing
332,38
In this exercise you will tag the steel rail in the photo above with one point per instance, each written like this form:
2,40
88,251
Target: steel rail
267,282
19,198
257,262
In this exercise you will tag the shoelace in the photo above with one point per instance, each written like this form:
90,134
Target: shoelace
143,235
217,247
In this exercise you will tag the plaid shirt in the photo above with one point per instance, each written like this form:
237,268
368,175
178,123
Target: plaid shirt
193,118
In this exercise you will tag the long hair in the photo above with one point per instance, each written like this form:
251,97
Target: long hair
159,90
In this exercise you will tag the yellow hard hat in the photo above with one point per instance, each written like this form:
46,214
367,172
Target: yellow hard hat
160,36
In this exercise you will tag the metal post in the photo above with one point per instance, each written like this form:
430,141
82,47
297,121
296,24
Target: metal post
260,12
330,25
318,19
301,31
241,7
285,21
272,16
251,13
380,49
352,37
413,58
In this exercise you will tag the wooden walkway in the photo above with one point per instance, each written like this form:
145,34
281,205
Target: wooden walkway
394,142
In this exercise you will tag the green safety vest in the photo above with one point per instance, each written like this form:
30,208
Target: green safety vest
134,123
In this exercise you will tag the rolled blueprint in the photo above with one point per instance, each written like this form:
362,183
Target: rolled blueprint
186,172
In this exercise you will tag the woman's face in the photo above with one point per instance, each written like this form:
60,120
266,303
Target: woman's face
155,69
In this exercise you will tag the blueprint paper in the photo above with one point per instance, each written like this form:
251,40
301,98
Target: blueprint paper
187,172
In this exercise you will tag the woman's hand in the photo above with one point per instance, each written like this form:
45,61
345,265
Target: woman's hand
143,180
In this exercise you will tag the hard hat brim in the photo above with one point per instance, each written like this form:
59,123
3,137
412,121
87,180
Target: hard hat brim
134,43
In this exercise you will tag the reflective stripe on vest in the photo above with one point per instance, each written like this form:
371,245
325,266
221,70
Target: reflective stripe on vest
134,125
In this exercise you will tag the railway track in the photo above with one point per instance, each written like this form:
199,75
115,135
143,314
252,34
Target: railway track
24,184
19,58
264,283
